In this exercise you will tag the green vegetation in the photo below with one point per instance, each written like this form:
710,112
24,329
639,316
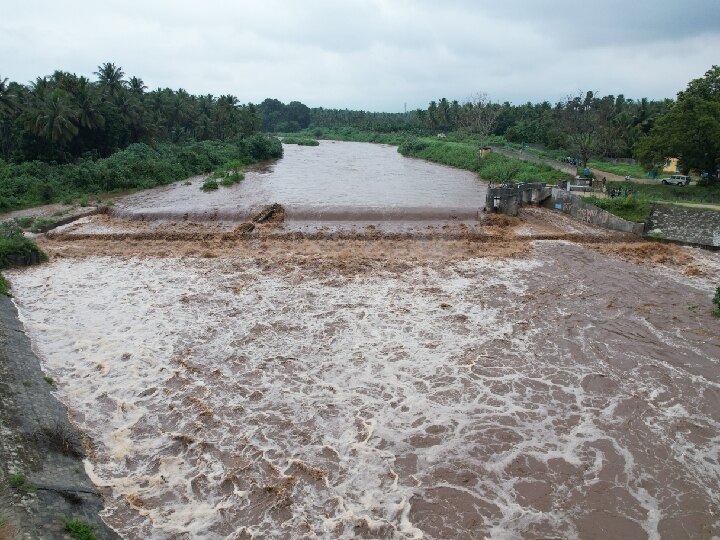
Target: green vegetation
63,117
49,380
4,286
629,208
465,155
138,166
19,483
690,129
210,184
79,529
623,169
15,248
716,301
672,194
227,175
301,141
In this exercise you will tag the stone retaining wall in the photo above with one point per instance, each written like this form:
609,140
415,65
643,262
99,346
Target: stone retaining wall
697,226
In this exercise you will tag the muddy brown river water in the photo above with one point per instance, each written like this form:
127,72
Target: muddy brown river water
388,390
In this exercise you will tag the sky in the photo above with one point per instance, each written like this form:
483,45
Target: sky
375,55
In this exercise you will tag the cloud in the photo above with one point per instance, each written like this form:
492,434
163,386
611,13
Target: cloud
371,54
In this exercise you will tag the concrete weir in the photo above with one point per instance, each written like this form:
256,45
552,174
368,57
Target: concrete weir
508,199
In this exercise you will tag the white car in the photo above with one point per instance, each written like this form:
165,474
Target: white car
677,180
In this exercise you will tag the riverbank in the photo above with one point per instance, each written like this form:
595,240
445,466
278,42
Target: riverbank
42,475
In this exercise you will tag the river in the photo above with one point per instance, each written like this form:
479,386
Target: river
376,390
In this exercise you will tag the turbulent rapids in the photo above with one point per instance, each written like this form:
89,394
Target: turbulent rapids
483,384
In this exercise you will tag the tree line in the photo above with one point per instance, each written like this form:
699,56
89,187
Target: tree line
63,116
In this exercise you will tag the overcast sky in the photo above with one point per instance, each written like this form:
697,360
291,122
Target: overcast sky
371,54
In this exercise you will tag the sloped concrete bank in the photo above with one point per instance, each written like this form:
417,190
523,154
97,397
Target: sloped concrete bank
42,478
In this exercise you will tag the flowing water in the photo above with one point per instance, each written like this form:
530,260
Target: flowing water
384,389
336,181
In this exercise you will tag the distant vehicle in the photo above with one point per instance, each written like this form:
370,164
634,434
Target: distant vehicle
677,180
571,160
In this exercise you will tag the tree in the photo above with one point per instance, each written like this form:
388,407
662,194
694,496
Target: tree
584,124
110,78
480,116
55,118
690,129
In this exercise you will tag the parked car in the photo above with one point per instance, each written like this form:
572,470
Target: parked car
677,180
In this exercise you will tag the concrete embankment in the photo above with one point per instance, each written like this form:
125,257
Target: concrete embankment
589,213
42,478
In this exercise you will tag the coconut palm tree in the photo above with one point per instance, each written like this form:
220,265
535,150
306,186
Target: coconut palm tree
110,78
55,118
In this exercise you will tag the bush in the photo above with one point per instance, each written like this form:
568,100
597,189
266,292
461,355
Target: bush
209,184
16,249
79,530
261,147
716,301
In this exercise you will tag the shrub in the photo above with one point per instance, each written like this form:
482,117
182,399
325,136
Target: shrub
716,301
79,529
15,249
209,184
261,147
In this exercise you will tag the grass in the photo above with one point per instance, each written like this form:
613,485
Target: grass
672,194
20,483
623,169
495,167
79,529
630,208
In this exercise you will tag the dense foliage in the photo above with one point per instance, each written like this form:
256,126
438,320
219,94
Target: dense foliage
690,129
63,117
138,166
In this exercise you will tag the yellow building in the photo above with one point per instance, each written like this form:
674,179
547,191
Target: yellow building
670,165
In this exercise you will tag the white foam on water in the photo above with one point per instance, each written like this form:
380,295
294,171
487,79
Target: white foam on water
225,399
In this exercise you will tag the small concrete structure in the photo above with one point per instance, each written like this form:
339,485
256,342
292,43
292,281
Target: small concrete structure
507,199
